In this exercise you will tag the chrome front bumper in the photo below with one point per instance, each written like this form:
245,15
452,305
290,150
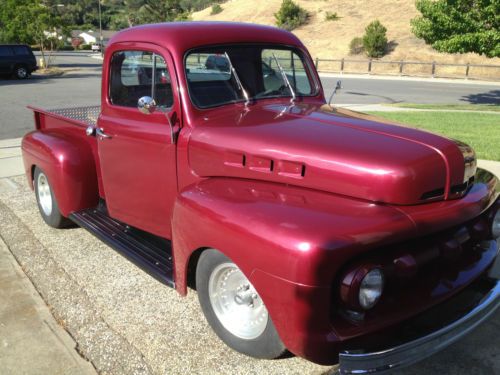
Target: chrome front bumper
414,351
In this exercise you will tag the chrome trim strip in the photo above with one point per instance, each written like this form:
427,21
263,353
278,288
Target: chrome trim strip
414,351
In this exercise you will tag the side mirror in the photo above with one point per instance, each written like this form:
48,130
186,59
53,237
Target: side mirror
338,86
146,105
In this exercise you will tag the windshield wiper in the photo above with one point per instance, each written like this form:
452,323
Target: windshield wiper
285,78
237,78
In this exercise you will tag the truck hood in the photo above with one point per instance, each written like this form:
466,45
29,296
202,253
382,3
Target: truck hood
339,151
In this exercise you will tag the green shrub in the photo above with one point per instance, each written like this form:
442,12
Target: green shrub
331,16
375,39
85,47
356,46
216,9
290,15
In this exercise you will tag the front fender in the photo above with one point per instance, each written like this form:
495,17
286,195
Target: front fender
288,241
282,230
296,234
69,165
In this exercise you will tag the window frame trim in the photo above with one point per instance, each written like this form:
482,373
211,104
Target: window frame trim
153,53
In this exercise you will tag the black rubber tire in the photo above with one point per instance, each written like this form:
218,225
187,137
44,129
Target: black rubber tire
21,72
55,219
267,346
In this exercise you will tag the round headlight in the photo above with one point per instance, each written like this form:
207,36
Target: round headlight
495,227
370,289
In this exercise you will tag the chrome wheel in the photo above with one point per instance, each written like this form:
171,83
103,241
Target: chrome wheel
21,72
236,303
44,194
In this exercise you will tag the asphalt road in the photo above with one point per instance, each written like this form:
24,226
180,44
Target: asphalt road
80,85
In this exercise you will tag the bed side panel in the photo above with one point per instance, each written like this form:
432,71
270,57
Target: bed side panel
69,165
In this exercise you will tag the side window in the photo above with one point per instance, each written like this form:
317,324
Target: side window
135,74
6,51
21,50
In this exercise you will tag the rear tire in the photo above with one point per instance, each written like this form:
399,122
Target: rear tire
21,72
234,309
47,204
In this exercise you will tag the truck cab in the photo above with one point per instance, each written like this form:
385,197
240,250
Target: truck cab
214,162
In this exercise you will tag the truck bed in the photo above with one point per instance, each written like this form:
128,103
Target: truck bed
83,116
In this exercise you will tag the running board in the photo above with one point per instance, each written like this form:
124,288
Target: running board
151,253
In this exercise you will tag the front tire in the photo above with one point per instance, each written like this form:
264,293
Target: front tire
234,309
47,204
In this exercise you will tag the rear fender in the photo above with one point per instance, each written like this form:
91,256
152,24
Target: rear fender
69,165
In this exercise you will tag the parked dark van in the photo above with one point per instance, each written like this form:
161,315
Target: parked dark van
17,60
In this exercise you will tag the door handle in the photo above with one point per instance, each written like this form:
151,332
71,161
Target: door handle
93,131
100,133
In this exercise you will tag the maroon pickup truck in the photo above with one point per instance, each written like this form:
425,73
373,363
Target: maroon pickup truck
215,162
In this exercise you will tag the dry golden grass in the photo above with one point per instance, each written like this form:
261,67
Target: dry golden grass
330,39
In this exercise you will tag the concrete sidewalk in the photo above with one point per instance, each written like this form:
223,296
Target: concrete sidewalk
31,341
11,162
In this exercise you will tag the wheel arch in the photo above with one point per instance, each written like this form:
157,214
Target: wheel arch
192,264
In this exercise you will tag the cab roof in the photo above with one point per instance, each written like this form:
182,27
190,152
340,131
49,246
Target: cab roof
179,37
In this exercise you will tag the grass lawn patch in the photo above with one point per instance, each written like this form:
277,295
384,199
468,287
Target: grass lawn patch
480,130
454,107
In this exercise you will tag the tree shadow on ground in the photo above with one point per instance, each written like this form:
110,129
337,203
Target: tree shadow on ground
391,46
489,97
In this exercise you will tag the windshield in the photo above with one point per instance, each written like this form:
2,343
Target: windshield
211,81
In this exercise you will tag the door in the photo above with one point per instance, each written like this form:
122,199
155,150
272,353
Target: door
136,153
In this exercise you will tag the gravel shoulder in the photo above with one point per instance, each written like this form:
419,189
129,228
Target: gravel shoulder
125,322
